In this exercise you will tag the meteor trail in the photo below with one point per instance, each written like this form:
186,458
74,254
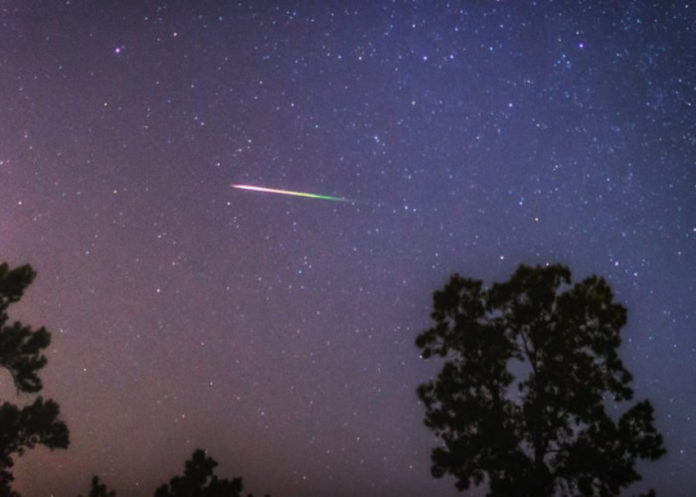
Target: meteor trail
290,192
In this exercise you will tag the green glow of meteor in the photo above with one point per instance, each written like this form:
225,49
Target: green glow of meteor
290,192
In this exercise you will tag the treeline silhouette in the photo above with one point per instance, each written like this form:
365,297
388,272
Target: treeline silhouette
198,480
540,432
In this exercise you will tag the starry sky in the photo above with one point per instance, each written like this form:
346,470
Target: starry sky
278,332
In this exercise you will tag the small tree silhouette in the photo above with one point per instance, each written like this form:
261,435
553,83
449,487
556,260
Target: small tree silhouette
199,481
529,367
98,489
21,354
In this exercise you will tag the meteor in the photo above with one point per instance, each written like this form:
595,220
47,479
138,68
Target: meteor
290,192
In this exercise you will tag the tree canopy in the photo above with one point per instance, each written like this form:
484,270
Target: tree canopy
530,367
99,489
198,480
21,354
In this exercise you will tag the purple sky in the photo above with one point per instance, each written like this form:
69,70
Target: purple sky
277,332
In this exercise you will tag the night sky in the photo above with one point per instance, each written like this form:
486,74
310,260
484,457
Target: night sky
278,332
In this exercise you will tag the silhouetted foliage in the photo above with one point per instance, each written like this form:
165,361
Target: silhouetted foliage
529,368
22,428
649,493
199,481
98,489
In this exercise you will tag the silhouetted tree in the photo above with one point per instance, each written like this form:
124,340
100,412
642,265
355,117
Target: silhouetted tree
530,366
22,428
98,489
198,481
